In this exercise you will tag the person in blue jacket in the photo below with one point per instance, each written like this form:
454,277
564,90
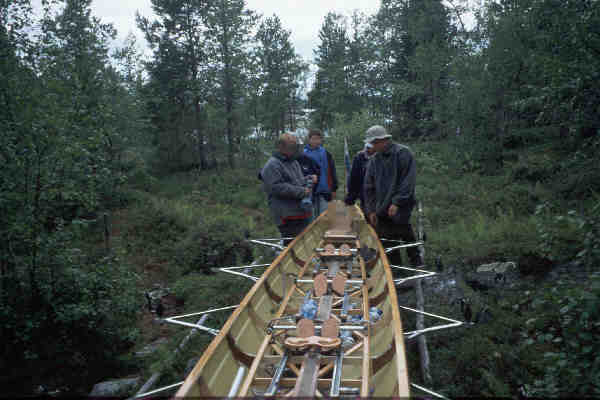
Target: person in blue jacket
327,183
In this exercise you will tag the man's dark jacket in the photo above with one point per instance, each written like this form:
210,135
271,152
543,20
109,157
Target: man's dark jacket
390,179
356,179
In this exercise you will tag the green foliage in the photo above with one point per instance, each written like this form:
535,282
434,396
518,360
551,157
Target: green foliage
331,92
352,128
568,342
65,121
213,242
571,236
277,79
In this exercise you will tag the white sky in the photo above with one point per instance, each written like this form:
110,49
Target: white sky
303,18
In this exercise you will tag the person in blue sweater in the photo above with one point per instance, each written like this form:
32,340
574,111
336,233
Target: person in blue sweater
327,183
357,177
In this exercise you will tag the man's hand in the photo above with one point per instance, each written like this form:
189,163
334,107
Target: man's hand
314,178
373,219
392,210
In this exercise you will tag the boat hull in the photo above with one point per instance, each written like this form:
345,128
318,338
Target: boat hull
242,359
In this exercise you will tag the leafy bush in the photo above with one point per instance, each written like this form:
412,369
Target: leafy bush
571,236
214,241
569,342
80,295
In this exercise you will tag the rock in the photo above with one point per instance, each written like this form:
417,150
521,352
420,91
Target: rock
150,348
493,275
113,388
159,293
497,267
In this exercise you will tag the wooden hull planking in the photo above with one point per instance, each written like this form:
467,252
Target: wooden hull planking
375,366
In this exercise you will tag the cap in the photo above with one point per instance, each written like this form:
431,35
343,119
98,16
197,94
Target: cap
376,132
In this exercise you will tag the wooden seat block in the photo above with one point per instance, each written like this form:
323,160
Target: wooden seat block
330,328
324,343
320,285
329,249
305,328
339,283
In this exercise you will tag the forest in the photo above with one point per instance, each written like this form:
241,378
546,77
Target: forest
122,172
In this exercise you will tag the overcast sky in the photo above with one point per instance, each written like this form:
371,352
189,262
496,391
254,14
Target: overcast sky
302,18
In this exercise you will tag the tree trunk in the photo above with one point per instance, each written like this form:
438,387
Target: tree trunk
421,340
200,137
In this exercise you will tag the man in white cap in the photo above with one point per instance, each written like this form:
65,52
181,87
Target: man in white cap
390,191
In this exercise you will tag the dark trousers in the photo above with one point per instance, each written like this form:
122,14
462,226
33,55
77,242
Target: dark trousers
292,228
388,229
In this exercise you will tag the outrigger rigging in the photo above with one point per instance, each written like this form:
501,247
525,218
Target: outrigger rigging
322,320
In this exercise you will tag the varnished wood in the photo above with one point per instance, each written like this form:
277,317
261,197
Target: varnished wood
274,296
338,284
238,354
330,328
320,285
296,259
305,328
246,344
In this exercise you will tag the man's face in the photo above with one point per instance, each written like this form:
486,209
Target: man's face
315,141
370,151
379,145
290,148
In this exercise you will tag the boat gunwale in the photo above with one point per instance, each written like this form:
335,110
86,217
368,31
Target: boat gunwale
401,366
190,380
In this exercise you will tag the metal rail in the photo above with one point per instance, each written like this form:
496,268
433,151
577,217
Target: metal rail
428,391
337,375
230,270
159,390
425,274
402,246
212,331
413,334
272,389
267,242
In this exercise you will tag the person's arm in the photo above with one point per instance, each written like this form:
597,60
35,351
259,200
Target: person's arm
405,185
354,181
315,170
278,187
369,186
309,168
333,174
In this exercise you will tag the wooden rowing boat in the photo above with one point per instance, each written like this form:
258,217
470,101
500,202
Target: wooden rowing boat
268,346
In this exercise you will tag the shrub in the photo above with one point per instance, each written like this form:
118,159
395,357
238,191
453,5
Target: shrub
570,362
216,240
572,236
